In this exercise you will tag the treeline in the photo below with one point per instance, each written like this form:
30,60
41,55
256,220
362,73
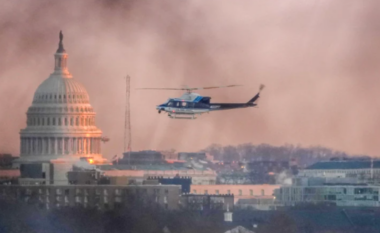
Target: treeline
304,156
137,217
19,217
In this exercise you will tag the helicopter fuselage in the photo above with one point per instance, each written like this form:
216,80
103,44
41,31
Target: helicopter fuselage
191,104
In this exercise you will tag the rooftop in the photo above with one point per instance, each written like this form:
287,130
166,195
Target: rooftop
344,164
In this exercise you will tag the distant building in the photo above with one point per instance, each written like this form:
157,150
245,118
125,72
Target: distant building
141,173
103,197
207,202
138,157
322,220
340,192
189,156
81,177
6,161
60,129
9,176
266,203
185,182
362,169
170,155
264,172
239,191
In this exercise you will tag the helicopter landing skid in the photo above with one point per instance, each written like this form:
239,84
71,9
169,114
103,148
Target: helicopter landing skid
175,116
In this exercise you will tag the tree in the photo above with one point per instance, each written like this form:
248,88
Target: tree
280,222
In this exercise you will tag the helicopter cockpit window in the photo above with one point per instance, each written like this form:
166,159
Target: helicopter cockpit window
170,103
184,104
177,104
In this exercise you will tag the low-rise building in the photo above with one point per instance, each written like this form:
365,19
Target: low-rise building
363,169
200,177
239,191
266,203
103,197
339,192
207,202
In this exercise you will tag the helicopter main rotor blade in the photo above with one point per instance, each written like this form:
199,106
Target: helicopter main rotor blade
204,88
189,88
162,88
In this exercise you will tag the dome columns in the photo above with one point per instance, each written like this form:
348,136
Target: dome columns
59,146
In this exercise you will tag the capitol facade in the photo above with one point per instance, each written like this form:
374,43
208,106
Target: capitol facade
61,128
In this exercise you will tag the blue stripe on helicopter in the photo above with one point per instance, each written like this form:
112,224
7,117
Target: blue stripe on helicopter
197,99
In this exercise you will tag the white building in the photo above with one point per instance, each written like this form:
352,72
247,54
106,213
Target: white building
60,128
364,169
341,191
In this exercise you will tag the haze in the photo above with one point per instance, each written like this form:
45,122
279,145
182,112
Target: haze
318,60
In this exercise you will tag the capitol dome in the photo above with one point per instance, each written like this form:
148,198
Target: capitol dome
61,121
61,88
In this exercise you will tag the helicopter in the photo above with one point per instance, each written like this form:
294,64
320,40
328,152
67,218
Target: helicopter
191,104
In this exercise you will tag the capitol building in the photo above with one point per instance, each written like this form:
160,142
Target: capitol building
61,128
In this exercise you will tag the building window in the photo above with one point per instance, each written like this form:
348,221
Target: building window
194,191
240,192
43,121
262,192
251,192
48,121
71,121
77,121
59,121
53,121
228,191
206,192
216,191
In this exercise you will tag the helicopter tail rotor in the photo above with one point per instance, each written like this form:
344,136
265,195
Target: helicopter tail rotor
261,87
257,96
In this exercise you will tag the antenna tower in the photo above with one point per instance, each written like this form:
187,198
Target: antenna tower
127,123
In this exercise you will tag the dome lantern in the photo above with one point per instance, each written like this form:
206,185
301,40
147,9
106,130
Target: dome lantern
61,59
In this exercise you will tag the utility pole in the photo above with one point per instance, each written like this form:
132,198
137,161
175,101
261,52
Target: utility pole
371,169
127,123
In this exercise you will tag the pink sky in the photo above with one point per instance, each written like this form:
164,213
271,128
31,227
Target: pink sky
318,60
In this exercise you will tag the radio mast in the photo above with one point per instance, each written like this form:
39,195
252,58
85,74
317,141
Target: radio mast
127,123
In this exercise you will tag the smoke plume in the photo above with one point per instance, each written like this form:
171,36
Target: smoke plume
318,60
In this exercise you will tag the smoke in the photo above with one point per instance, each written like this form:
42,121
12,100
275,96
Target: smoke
283,178
317,59
84,165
